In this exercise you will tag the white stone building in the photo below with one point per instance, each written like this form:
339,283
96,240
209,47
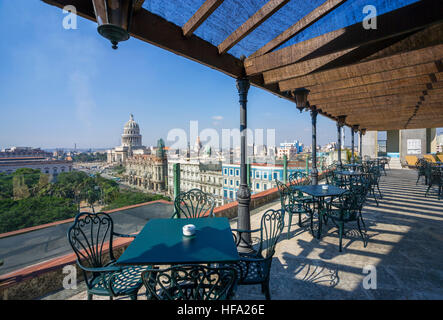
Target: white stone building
131,144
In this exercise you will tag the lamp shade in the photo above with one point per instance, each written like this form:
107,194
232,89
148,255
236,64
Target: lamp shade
341,120
301,98
114,19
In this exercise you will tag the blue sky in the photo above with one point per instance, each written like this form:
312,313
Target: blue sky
60,87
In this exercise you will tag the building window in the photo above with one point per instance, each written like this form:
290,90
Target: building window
237,183
230,182
265,186
226,181
231,172
237,172
276,175
265,175
257,174
231,195
257,186
225,171
225,193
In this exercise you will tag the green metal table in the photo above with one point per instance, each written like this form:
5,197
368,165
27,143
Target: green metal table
161,242
318,195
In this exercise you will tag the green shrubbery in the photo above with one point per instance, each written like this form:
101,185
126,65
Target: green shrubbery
27,198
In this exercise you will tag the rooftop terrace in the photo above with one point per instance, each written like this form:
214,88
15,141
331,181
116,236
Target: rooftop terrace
403,243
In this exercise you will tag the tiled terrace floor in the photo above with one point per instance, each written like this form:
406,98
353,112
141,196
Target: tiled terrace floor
405,244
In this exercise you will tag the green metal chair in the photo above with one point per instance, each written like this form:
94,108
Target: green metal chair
435,179
348,209
190,282
87,237
293,202
422,169
299,178
254,268
194,204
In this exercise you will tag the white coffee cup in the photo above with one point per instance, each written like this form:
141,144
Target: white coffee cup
188,230
325,187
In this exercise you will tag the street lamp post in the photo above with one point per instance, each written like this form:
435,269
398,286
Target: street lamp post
243,193
340,123
301,99
362,132
314,171
354,129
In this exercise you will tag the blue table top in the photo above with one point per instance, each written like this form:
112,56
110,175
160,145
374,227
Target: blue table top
161,241
349,173
317,190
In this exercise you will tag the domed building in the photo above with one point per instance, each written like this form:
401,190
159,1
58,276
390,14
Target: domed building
131,143
143,170
131,136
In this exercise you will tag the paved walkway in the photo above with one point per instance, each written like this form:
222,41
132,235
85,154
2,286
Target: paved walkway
404,245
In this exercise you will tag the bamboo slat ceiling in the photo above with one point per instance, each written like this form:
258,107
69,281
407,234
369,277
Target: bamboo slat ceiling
386,78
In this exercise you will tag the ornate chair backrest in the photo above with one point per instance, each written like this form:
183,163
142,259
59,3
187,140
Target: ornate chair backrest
194,204
284,193
298,177
349,204
190,282
272,223
330,177
88,235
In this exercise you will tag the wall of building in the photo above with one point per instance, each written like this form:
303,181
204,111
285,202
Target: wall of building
369,144
417,143
393,141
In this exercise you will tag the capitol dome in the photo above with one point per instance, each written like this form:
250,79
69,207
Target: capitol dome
131,134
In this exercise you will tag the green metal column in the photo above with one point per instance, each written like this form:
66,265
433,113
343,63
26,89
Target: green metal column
307,165
248,172
176,171
285,169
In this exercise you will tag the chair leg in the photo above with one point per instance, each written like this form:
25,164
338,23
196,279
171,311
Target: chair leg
379,192
89,296
340,235
319,226
265,286
133,297
426,194
361,232
111,298
375,198
289,223
299,220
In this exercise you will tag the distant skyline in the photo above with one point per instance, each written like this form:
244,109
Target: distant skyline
64,87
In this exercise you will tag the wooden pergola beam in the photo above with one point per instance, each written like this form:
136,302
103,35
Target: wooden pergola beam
421,14
423,81
206,9
304,67
382,65
298,27
375,110
390,100
251,24
349,99
411,125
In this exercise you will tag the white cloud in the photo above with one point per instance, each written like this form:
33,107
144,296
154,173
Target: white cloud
218,118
